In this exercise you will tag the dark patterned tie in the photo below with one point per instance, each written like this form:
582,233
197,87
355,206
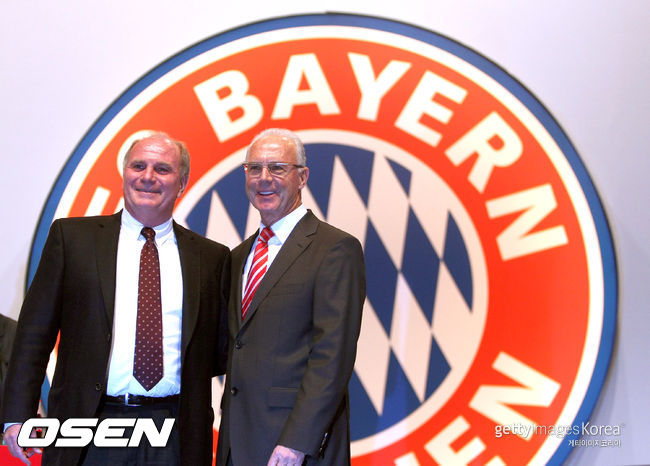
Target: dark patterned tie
148,357
257,270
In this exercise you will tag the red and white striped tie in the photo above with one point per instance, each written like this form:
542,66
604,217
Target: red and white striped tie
257,270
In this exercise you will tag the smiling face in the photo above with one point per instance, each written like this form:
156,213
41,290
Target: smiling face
274,197
152,180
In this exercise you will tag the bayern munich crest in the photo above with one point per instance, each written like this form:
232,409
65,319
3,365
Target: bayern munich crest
492,289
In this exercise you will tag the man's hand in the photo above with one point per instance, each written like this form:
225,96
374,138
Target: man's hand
11,439
284,456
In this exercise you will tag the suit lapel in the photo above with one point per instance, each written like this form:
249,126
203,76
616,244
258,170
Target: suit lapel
294,246
191,271
106,241
237,277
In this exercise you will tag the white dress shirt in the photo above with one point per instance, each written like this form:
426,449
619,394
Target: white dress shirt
281,231
120,372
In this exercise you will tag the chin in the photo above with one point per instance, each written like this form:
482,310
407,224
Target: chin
266,206
146,203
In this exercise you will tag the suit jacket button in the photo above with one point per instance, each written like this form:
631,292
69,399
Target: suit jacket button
234,391
98,387
238,344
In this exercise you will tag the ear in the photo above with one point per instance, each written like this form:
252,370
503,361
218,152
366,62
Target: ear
184,180
304,176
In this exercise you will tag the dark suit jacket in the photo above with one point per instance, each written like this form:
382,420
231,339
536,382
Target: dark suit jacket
73,292
291,359
7,331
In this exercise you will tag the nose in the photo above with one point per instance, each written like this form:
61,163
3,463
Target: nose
148,174
266,174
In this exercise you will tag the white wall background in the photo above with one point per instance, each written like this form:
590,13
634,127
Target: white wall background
63,63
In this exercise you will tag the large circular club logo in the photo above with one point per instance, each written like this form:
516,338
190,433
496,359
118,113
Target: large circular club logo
491,299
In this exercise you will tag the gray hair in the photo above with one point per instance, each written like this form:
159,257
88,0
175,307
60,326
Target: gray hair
182,150
293,137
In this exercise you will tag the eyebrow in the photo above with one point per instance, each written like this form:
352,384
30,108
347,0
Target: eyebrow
156,164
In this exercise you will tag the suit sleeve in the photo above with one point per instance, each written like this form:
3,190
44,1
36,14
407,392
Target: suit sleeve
339,294
38,327
221,360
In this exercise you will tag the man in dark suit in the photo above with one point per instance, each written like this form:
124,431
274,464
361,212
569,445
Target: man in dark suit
294,316
7,331
90,287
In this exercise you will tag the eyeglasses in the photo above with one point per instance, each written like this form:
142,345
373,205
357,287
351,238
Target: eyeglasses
277,169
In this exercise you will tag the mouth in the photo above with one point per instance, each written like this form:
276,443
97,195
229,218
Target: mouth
148,191
265,193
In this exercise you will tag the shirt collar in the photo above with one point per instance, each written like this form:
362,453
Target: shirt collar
130,225
283,227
